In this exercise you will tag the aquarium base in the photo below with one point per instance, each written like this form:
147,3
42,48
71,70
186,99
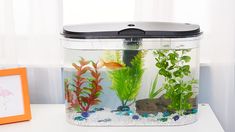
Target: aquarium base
108,118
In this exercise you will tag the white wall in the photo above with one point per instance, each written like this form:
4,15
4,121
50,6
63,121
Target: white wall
93,11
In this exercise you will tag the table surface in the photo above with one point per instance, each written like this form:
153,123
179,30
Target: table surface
51,118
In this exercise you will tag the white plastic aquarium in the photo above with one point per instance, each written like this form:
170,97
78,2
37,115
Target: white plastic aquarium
131,74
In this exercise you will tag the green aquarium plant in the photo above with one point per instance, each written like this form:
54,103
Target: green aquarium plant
174,67
87,87
153,90
126,81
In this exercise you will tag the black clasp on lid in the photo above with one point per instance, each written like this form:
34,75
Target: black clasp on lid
131,32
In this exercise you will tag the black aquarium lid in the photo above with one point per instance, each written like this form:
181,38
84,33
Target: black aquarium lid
131,30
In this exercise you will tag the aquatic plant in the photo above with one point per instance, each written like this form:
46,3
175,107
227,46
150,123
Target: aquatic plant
126,81
153,92
68,92
173,66
87,89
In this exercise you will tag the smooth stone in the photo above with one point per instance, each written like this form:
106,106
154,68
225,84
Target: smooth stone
194,111
166,113
135,117
98,109
79,118
85,114
129,113
176,118
163,119
123,108
92,111
152,106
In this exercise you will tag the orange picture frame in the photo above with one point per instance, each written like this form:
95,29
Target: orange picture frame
25,95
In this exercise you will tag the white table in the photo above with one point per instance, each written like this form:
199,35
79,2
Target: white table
51,118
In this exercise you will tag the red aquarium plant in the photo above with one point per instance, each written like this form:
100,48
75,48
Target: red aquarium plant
68,92
87,89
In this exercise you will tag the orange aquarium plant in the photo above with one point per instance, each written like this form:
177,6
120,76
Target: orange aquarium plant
87,87
68,94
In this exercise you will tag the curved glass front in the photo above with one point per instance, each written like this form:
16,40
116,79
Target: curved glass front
131,82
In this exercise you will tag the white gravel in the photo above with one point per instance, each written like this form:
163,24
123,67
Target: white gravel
124,120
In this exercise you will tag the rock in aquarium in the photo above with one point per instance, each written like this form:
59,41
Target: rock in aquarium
123,108
163,119
85,114
135,117
176,118
129,113
166,113
98,109
92,111
194,111
79,118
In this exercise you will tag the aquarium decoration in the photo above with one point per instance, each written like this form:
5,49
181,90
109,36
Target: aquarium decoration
153,90
68,93
173,66
126,81
177,86
87,89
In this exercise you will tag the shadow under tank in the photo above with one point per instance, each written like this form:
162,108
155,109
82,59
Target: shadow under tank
131,74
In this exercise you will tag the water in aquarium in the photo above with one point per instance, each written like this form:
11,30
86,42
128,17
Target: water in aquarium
131,87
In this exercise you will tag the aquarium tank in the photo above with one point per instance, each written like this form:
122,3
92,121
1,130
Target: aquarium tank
131,74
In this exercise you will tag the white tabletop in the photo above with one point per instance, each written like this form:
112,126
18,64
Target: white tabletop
51,118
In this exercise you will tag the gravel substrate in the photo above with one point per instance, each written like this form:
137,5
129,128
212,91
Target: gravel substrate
107,118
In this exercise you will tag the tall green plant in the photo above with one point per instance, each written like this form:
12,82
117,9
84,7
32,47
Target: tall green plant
173,66
126,81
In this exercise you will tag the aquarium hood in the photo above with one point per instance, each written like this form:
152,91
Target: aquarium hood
131,30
